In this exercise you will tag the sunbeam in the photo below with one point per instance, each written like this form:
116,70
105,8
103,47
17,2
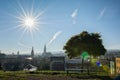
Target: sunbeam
28,20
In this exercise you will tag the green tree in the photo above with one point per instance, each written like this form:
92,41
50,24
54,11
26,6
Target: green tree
2,57
84,42
89,42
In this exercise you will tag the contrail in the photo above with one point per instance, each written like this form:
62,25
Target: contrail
54,37
101,13
74,15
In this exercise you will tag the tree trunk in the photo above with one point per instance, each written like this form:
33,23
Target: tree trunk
82,65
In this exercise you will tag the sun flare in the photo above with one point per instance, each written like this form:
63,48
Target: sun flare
29,22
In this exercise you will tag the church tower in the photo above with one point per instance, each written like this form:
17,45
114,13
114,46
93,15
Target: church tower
45,53
44,48
18,53
32,52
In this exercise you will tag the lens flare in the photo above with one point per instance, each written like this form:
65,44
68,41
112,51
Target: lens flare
28,19
29,22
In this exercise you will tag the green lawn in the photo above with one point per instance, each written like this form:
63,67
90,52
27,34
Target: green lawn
51,75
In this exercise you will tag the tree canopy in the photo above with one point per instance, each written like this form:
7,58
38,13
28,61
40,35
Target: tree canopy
2,55
89,42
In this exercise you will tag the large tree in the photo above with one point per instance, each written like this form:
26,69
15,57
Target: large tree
89,42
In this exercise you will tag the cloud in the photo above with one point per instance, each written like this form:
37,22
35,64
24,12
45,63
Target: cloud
74,15
101,13
115,46
54,37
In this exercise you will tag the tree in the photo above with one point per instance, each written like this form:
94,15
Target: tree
84,42
2,57
89,42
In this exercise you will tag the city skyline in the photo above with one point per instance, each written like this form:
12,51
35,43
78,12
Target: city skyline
53,22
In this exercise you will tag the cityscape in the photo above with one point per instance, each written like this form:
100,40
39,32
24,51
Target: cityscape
59,39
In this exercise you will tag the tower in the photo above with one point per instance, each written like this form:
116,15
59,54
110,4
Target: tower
44,48
32,52
18,53
45,53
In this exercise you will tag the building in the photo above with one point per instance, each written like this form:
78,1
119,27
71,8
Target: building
46,54
111,54
74,63
30,67
57,63
32,52
117,61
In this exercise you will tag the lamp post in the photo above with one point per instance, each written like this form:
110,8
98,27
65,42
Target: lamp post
88,60
84,56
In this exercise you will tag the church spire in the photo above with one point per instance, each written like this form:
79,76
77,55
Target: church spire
45,48
18,53
32,52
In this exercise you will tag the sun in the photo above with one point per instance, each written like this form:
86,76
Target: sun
29,22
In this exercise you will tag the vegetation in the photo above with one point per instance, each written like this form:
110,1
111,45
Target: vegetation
51,75
89,42
2,56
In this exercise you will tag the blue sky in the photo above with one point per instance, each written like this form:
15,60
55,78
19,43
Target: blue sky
57,22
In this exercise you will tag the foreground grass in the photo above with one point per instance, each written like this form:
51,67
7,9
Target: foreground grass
52,75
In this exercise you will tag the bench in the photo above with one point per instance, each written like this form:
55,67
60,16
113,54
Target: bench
72,69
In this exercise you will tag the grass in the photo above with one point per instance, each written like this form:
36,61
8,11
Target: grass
49,75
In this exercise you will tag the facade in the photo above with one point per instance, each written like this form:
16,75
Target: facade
46,54
74,63
117,60
57,63
111,54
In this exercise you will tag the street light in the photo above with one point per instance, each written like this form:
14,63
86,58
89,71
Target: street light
84,56
88,60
